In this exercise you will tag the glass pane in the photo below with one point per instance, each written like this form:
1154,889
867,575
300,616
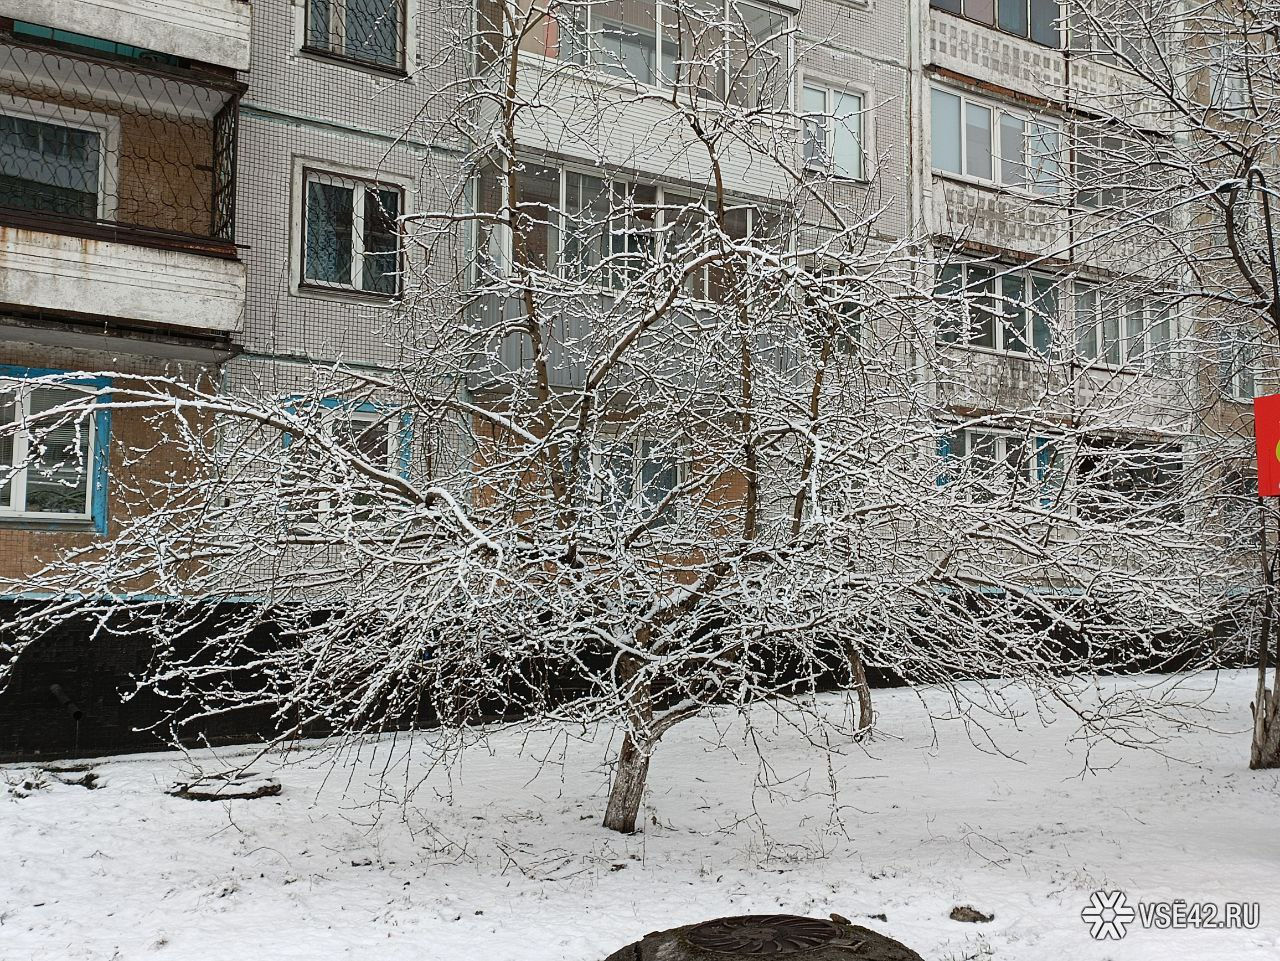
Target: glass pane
684,218
693,47
368,435
814,106
373,30
1044,312
1134,325
848,135
1111,332
759,59
318,23
1014,309
1013,163
984,11
381,241
946,132
633,238
951,6
626,38
8,412
539,206
977,146
48,168
1045,173
329,233
1159,337
980,291
57,459
1044,21
1087,323
948,291
1013,17
586,219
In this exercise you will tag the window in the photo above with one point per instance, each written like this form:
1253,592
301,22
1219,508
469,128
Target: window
351,234
55,168
607,232
1238,354
1002,466
322,486
1034,19
370,31
1122,331
833,131
987,142
52,465
1123,479
1120,31
735,50
1228,76
1108,170
632,478
997,307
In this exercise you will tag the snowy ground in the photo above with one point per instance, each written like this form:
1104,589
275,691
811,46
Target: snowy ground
489,863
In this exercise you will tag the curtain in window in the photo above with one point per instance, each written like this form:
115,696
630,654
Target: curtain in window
330,219
58,459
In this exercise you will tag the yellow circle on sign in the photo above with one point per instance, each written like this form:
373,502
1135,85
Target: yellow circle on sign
1278,450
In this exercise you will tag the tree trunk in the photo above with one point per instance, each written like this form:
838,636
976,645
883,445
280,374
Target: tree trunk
866,713
629,779
1264,752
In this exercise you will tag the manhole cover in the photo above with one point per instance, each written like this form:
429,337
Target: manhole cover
762,934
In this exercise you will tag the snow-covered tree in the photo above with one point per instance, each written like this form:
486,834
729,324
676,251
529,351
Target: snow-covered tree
659,443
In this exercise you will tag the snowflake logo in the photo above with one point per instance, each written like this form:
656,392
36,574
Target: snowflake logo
1107,914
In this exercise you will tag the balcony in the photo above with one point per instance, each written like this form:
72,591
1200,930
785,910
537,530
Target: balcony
117,189
206,31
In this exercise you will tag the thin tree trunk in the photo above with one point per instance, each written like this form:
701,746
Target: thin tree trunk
866,713
1264,750
629,777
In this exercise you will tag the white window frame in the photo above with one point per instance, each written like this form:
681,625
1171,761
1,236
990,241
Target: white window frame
1135,349
333,172
15,506
591,48
500,242
828,162
1239,351
1001,334
1030,123
106,126
602,452
1040,485
1228,77
337,25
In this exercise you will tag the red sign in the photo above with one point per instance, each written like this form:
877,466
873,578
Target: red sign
1266,426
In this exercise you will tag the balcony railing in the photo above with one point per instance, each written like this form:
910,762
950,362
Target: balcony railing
116,147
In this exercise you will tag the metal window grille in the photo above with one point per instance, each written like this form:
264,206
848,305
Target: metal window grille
368,31
101,145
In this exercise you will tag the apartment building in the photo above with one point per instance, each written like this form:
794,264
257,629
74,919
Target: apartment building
227,192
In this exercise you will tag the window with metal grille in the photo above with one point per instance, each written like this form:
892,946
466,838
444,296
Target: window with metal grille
370,31
351,234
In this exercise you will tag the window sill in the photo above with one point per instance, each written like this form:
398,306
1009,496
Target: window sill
38,522
338,59
345,295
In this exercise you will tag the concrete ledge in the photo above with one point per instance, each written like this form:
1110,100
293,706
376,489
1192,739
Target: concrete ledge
208,31
175,289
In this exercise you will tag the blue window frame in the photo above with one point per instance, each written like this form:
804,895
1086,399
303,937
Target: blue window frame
53,467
